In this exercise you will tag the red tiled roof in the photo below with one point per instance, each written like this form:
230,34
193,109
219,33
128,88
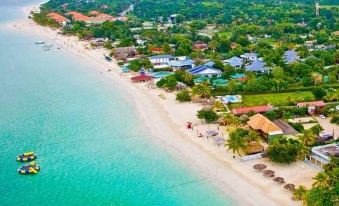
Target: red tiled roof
142,77
315,103
257,109
94,13
156,49
78,16
57,17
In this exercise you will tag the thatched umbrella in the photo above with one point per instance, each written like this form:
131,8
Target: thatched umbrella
279,180
289,187
269,173
259,167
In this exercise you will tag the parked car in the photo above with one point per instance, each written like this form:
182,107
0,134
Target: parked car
322,116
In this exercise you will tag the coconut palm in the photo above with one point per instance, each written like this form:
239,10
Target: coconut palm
201,90
308,138
334,162
321,180
236,143
300,193
252,136
187,77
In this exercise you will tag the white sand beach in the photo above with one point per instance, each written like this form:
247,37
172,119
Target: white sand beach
166,120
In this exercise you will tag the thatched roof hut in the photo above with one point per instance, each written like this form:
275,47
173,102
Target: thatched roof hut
279,180
253,148
259,167
269,173
289,187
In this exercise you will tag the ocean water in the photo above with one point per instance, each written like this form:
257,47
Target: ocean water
91,147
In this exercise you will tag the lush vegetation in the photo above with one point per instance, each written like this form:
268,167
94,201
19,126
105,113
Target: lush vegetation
208,115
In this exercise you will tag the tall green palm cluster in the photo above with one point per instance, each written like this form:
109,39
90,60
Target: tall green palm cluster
325,189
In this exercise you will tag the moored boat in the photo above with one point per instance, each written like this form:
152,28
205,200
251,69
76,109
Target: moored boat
31,168
40,42
25,157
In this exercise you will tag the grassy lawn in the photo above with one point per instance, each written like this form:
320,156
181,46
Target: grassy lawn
276,99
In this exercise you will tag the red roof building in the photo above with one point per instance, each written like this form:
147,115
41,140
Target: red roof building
57,17
156,50
78,16
141,78
315,104
200,46
256,109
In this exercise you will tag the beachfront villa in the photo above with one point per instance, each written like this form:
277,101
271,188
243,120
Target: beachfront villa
141,78
234,62
61,20
321,155
182,63
264,126
206,69
257,66
161,61
124,53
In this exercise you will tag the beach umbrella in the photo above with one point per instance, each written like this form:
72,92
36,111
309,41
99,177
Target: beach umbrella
219,140
279,180
289,187
211,133
269,173
259,167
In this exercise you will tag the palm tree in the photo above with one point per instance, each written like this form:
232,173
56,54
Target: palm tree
213,45
252,136
300,193
187,77
308,138
334,162
321,180
236,143
201,90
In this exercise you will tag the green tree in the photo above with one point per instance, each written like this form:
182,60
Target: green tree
184,96
300,193
208,115
282,150
236,141
319,93
308,138
201,90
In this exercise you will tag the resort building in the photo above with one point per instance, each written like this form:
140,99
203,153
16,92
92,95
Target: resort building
291,56
58,18
200,46
264,126
161,61
257,66
156,50
234,62
285,127
182,63
249,56
256,109
312,107
206,69
125,53
100,18
141,78
321,155
76,16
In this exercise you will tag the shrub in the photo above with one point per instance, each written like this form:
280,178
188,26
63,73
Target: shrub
335,119
184,96
208,115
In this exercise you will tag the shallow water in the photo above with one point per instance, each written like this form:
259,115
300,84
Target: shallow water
91,147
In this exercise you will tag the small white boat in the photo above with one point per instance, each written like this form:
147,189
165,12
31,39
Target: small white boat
40,42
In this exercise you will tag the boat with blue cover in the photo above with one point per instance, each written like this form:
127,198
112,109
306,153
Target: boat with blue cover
26,157
31,168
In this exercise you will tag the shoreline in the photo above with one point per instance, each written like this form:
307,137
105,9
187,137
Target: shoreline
234,178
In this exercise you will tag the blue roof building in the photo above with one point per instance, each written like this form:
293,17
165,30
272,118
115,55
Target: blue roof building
249,56
235,62
164,56
205,70
257,66
186,63
291,56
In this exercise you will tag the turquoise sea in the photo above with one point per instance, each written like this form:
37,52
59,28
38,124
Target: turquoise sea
91,147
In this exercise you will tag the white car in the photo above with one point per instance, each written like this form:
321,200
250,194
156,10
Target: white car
322,116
